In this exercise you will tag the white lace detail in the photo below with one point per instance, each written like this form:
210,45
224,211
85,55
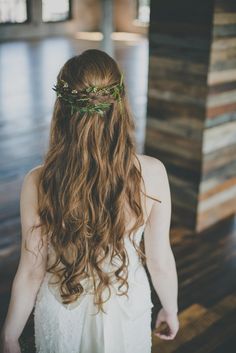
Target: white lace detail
74,328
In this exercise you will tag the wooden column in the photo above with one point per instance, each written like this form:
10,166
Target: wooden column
191,113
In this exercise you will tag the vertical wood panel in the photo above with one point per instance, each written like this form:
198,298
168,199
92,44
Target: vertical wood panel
217,198
191,113
180,36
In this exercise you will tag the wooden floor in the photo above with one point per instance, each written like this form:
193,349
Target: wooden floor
206,266
205,262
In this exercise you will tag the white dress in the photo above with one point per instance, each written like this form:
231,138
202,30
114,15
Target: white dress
73,328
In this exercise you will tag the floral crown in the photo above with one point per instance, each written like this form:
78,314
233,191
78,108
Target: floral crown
84,101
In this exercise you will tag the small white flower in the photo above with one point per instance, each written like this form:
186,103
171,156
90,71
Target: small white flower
65,85
74,91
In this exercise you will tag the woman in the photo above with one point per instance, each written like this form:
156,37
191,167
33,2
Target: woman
83,212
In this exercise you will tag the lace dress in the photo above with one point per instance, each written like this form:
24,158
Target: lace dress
74,328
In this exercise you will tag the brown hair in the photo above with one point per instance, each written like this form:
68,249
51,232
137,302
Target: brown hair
87,177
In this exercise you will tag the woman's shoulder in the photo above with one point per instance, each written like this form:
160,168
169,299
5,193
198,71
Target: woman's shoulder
35,172
153,172
150,164
32,176
29,196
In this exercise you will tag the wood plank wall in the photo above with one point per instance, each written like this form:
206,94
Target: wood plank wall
181,38
217,196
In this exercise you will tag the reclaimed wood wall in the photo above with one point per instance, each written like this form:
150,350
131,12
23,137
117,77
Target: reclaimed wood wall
186,117
217,196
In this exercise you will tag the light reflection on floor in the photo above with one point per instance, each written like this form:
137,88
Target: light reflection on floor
29,69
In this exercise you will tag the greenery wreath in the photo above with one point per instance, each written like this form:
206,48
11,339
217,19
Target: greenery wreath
82,101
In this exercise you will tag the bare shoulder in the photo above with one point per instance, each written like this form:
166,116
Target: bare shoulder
29,197
29,189
154,175
153,169
32,176
150,161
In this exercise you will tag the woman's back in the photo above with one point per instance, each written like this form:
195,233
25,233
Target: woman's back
151,182
125,325
150,178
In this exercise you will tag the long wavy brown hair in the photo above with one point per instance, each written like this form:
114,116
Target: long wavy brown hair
87,180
